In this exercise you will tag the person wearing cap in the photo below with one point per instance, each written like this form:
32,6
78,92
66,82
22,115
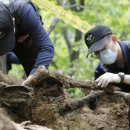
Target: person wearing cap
114,56
22,32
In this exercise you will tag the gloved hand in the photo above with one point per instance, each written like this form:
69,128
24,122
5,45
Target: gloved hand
32,79
27,80
107,78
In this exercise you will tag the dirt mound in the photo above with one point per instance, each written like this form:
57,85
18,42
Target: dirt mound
47,104
110,114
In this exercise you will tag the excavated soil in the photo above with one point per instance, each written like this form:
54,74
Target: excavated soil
44,109
110,114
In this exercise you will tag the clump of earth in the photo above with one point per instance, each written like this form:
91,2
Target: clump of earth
47,104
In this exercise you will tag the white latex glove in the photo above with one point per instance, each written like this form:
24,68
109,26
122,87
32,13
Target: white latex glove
40,72
27,80
107,78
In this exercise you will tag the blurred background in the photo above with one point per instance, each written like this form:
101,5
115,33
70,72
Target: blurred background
70,49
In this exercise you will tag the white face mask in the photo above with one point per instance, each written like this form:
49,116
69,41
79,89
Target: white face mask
108,56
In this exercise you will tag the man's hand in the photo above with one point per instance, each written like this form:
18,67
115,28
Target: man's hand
32,79
107,78
27,80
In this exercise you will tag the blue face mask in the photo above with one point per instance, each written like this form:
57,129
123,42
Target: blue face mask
108,56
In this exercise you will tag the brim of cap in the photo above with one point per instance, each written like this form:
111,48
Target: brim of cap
7,43
97,46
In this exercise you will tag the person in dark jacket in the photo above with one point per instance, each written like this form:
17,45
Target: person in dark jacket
114,56
22,32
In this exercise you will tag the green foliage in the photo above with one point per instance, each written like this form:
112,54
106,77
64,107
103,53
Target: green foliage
17,71
112,13
75,93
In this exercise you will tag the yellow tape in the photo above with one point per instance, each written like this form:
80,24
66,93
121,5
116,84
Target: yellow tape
62,14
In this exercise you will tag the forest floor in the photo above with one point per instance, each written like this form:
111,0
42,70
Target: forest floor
44,109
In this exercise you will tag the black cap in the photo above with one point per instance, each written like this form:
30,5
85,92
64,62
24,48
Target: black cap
7,35
94,38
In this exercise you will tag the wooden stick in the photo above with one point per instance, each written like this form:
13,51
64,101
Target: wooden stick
72,83
82,102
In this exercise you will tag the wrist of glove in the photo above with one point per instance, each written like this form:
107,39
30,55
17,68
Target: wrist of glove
107,78
27,81
116,78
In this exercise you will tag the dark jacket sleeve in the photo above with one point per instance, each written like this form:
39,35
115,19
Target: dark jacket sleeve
40,39
99,71
12,58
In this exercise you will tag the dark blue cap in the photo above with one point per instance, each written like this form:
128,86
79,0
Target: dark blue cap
94,38
7,34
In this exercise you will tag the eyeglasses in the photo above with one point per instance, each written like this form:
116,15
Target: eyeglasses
97,53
